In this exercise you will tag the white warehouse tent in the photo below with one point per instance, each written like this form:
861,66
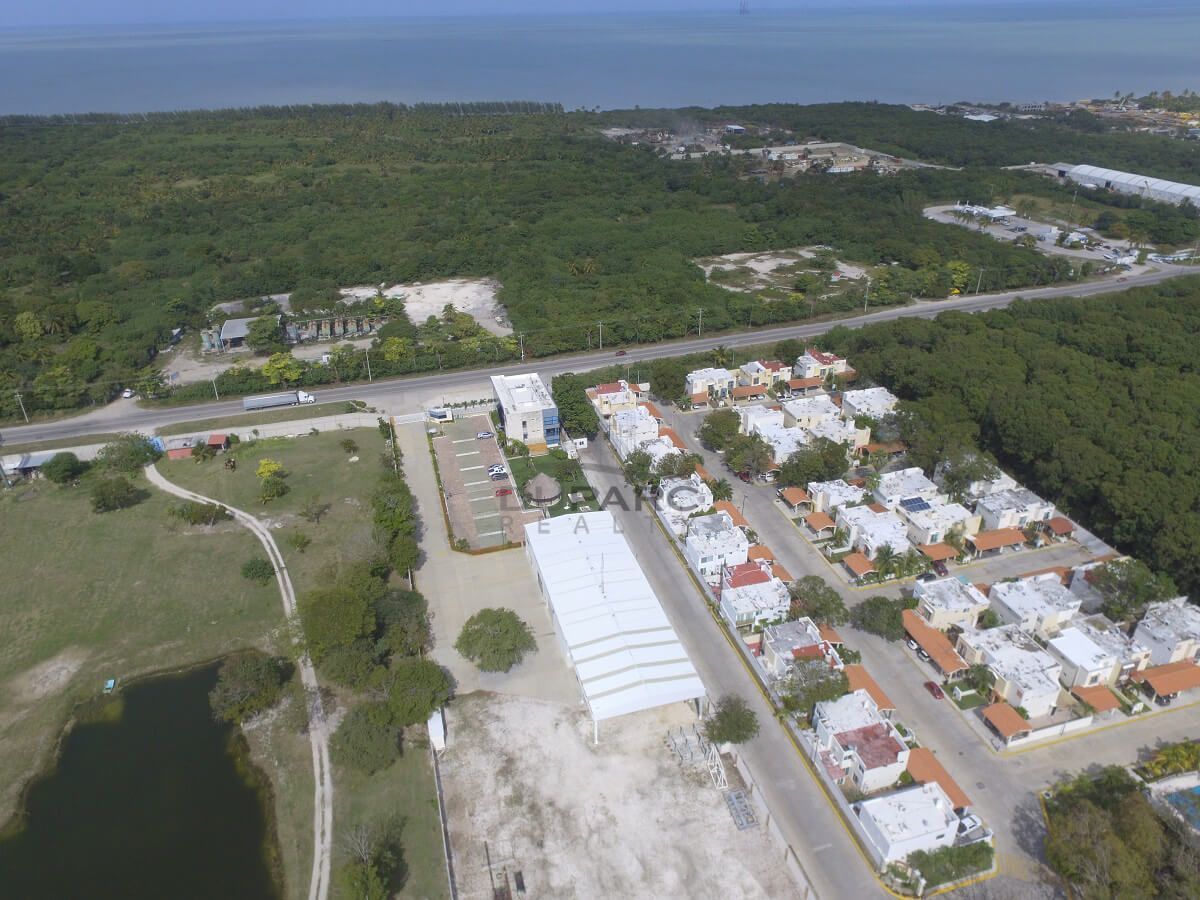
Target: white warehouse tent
1129,183
625,653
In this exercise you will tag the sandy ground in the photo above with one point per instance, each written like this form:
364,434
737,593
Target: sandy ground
621,819
770,269
48,677
422,300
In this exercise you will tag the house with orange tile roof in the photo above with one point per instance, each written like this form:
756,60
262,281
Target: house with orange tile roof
612,397
1171,679
795,499
860,679
1006,722
787,642
935,644
924,768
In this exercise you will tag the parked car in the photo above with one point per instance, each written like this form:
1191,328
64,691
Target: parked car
484,435
940,568
1164,700
620,353
935,690
127,393
922,654
503,492
745,476
498,476
927,576
969,823
912,645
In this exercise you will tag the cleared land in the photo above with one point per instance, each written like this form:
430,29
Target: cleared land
474,296
771,273
89,597
621,819
243,425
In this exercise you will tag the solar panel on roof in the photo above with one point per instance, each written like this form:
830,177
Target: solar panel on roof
914,504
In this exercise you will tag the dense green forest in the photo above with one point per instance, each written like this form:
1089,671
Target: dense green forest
1092,402
115,231
1075,137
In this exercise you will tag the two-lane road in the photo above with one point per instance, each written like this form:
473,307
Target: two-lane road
403,395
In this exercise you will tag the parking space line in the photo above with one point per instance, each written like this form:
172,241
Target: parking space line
490,533
482,497
463,441
469,468
474,483
468,453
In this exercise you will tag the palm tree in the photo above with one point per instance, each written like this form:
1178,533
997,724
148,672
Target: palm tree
721,489
885,560
720,355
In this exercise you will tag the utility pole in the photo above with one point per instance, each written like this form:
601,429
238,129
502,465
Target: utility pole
867,295
979,283
601,335
367,354
521,341
700,330
214,384
21,402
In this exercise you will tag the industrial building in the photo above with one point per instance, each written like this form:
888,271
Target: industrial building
527,411
1131,183
608,619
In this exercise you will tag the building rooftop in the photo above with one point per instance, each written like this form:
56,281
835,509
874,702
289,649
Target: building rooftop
710,373
949,595
857,563
875,402
924,768
522,393
1098,697
837,492
848,712
1077,648
788,636
794,495
860,680
756,417
1006,720
1013,498
876,745
840,431
1109,636
757,594
1171,678
715,533
1039,596
907,814
818,406
1015,656
876,529
933,642
825,359
784,441
939,517
903,483
1171,621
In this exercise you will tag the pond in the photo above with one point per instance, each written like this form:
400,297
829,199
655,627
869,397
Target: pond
150,798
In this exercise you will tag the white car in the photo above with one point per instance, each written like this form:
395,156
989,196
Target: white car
127,393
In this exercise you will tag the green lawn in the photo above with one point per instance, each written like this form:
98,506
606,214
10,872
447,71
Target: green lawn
60,443
242,424
565,471
970,701
88,597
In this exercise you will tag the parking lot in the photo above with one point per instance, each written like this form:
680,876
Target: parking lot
477,514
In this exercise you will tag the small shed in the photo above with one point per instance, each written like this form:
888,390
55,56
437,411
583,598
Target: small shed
218,441
542,490
180,447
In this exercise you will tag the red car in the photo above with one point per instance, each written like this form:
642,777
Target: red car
620,353
745,476
503,492
932,687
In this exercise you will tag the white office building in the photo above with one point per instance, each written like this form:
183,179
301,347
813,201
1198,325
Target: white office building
1040,604
901,823
527,411
712,543
610,623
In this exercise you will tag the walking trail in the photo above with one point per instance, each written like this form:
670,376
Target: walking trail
318,730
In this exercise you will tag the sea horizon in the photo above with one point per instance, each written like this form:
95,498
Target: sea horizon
926,53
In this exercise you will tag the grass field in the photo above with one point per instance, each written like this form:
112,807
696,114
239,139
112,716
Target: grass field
89,597
565,471
319,467
33,447
242,423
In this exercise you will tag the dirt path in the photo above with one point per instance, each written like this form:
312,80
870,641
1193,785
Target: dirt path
318,731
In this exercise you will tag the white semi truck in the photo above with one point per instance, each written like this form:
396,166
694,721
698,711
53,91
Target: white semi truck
269,401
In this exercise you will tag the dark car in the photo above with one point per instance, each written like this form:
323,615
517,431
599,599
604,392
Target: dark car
940,568
620,353
745,476
926,576
934,690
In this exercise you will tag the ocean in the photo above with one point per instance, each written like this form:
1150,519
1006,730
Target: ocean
987,52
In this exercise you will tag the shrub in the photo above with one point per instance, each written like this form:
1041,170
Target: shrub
368,738
195,513
952,863
880,615
272,488
111,494
416,687
495,640
299,541
353,666
403,616
334,617
64,468
247,684
127,453
732,721
269,468
258,569
350,446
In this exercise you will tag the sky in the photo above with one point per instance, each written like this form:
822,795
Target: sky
25,13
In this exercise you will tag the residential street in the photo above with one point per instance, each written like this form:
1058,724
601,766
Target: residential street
826,850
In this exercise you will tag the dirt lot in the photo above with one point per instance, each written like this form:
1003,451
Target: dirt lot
621,819
476,513
769,270
476,296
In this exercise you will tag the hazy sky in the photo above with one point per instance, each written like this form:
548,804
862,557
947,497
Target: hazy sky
17,13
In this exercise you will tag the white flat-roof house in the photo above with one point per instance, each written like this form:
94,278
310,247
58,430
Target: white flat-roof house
631,429
869,530
1131,656
1171,631
1026,675
855,741
929,523
1084,662
613,397
609,622
751,595
764,373
712,543
906,484
920,817
754,418
948,602
783,441
875,403
680,498
841,431
1039,604
830,496
1015,508
808,411
786,643
527,411
976,489
714,382
813,363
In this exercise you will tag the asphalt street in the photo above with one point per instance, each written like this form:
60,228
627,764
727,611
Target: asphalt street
404,395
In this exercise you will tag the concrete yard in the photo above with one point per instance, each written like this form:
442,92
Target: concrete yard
617,819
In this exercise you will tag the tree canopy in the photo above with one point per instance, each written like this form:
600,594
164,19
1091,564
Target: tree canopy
495,640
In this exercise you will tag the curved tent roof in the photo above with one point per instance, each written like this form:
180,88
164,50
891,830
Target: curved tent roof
1131,183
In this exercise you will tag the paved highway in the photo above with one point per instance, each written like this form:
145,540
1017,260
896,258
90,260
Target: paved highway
409,394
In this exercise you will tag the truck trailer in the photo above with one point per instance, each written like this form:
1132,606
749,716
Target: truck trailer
270,401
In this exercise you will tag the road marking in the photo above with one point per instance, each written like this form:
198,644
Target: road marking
490,533
475,483
469,468
484,497
469,453
822,847
463,441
